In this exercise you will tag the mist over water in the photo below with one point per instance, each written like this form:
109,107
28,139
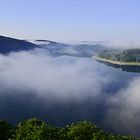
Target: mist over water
65,89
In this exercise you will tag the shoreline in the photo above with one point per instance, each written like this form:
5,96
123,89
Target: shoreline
97,58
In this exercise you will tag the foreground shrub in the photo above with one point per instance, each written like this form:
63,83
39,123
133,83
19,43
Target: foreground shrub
6,130
82,131
35,129
32,129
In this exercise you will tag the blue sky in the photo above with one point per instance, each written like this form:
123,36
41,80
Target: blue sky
66,20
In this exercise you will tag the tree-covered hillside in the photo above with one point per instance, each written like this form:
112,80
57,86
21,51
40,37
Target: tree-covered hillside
35,129
129,55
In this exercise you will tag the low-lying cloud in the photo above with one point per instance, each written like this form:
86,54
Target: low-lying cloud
63,76
125,109
71,88
122,44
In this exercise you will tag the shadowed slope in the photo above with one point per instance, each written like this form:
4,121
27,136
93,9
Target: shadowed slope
8,45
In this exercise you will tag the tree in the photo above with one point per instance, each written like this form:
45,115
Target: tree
32,129
35,129
6,130
82,131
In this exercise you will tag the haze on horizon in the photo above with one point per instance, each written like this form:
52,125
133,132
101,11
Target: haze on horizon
66,20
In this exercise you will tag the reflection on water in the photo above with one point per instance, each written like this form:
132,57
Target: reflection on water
126,68
130,68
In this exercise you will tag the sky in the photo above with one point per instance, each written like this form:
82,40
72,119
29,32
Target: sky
68,20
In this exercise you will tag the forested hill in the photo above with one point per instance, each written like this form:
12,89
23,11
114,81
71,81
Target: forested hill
8,45
128,55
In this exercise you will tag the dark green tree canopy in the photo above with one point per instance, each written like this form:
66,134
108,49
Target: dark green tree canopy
35,129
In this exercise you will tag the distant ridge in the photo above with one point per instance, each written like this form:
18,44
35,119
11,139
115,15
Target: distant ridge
43,42
8,44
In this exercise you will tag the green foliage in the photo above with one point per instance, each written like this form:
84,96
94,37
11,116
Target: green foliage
52,133
82,131
34,129
129,55
6,130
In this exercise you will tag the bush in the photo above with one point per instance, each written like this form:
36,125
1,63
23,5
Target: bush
32,129
82,131
35,129
6,130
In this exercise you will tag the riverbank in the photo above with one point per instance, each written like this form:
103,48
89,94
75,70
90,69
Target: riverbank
116,62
